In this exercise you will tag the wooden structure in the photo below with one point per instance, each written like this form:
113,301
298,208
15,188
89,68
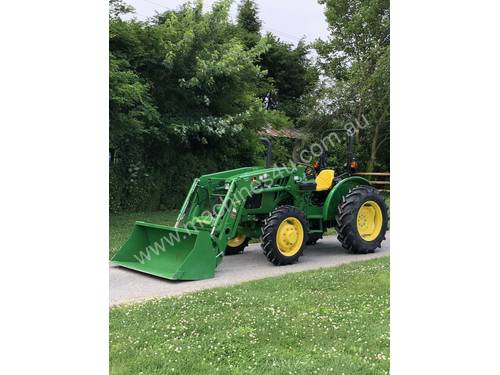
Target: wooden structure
375,179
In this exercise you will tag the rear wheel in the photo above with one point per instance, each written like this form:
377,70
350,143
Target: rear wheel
237,244
362,220
285,233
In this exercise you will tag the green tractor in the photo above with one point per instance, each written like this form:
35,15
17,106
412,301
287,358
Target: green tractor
286,207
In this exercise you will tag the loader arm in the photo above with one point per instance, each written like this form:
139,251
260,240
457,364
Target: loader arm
194,247
221,220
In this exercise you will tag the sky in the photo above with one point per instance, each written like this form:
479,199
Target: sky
290,20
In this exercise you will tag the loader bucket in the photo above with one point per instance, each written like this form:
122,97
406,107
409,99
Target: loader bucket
171,253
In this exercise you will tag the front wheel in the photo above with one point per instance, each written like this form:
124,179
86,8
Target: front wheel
362,220
285,234
237,244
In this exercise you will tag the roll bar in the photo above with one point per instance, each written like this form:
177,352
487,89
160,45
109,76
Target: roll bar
269,151
350,152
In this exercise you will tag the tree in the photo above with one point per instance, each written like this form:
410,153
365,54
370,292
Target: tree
184,100
118,8
355,59
248,24
290,72
131,110
248,18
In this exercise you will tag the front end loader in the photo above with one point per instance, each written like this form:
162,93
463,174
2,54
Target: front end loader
286,207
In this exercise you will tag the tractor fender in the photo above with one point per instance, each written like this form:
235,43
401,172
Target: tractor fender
334,198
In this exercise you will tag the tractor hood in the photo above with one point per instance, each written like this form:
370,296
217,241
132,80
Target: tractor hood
249,172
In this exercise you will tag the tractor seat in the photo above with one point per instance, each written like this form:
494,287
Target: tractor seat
324,180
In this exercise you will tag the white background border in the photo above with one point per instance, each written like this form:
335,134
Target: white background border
444,204
445,219
54,187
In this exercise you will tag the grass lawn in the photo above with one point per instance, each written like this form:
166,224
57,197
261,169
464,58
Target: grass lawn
121,225
332,320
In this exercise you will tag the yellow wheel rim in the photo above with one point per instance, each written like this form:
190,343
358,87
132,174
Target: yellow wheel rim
236,241
369,220
290,236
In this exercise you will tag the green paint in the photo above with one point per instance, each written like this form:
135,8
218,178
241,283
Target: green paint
171,253
330,208
217,208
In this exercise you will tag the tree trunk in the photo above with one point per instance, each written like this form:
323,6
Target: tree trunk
358,121
375,143
373,152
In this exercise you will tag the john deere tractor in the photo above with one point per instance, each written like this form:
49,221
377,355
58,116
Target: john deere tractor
286,207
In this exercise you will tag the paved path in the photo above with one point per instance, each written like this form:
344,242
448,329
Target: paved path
127,286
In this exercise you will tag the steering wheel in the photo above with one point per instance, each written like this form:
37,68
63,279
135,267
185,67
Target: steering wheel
309,171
